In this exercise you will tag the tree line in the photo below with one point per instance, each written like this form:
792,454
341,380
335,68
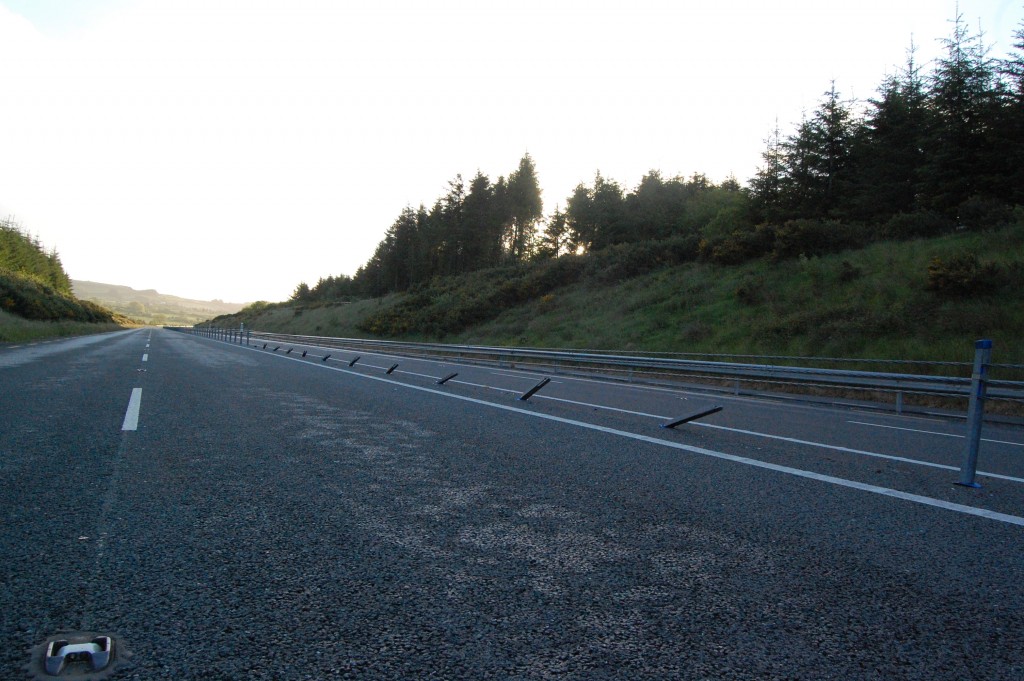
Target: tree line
23,254
929,152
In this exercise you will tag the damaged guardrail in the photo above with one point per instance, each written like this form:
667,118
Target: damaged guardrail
720,375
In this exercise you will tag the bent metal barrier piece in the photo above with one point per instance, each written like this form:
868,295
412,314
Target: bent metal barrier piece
530,393
953,386
447,378
353,362
692,417
391,370
304,353
326,357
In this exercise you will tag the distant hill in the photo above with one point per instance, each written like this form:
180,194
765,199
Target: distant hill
151,307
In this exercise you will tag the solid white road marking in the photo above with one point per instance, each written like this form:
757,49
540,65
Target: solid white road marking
932,432
781,438
131,416
840,482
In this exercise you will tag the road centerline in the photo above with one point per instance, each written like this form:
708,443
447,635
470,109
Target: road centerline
131,415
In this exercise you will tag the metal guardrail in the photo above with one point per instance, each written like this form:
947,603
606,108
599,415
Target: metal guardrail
637,367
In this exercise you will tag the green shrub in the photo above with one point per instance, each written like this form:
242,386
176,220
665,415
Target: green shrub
917,224
848,272
749,292
816,237
980,212
962,275
738,247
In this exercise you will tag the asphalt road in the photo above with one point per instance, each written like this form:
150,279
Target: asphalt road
227,512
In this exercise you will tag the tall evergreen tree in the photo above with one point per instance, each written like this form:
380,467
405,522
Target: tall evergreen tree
1009,141
481,238
890,152
962,98
767,184
555,240
525,208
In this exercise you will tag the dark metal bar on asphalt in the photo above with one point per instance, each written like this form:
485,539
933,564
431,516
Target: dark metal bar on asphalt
530,393
389,371
447,378
692,417
353,362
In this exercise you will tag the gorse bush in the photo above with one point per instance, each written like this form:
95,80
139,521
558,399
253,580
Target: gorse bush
962,275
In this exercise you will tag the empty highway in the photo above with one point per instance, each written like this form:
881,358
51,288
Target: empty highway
232,512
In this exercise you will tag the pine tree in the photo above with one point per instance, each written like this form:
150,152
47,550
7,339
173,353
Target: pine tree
525,209
962,100
890,151
767,184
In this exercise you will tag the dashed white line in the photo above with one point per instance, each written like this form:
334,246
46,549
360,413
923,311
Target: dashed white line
131,416
145,357
932,432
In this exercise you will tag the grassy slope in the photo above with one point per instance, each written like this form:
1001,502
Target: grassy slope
865,303
31,309
15,329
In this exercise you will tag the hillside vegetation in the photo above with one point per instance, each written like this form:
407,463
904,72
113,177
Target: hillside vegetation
888,228
35,293
926,299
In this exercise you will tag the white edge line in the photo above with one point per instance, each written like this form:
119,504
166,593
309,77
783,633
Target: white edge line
753,433
841,482
131,416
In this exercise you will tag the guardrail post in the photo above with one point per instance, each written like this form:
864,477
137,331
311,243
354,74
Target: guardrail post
975,412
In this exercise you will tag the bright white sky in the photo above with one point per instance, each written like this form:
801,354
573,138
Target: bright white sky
233,148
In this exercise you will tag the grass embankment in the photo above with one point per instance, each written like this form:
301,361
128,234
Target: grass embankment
14,329
926,299
31,309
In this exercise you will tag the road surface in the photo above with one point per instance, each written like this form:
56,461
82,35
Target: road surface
227,512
